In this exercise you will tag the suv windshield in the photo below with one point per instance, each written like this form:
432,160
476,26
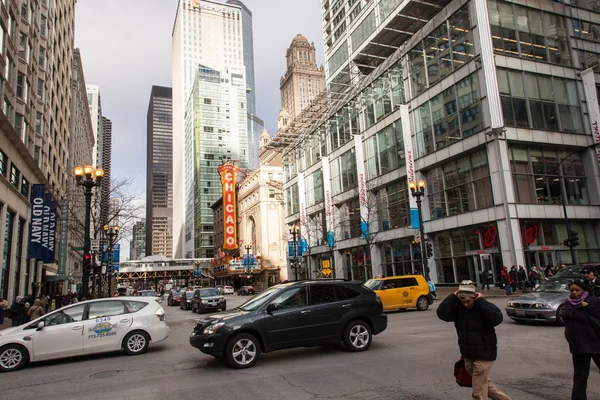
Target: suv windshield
209,292
150,293
373,284
554,286
568,272
263,298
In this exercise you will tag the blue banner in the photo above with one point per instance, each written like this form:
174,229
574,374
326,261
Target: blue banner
330,239
51,253
414,218
46,228
116,261
304,247
298,249
64,231
37,221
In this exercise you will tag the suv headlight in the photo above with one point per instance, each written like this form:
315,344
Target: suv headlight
212,329
204,302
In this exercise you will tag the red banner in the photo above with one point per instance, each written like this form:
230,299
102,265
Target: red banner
228,172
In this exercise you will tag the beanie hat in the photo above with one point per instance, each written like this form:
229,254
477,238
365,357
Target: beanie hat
466,289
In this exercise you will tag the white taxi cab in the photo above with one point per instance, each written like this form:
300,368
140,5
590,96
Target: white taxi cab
94,326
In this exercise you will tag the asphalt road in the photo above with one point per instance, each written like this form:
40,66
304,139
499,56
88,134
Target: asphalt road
412,359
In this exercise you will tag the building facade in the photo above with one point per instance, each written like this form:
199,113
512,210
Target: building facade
215,133
217,35
138,241
302,82
159,173
493,104
106,188
37,52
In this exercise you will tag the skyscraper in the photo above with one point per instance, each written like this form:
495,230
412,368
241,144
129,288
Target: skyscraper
159,170
218,36
106,165
302,81
215,131
138,242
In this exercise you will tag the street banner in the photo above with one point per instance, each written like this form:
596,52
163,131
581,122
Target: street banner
64,229
302,207
46,228
52,233
228,172
409,156
37,221
330,237
591,97
116,261
362,186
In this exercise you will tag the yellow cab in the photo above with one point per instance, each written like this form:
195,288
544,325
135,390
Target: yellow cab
406,291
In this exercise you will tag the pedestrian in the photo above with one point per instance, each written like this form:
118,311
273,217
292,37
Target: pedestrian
17,311
475,320
44,301
506,280
57,301
3,307
432,289
592,280
37,310
549,271
485,279
74,298
523,278
514,278
584,340
66,300
534,277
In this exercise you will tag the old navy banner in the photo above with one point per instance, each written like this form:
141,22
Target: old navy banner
52,233
46,227
37,221
409,156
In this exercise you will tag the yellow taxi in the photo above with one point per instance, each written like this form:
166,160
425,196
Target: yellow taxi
406,291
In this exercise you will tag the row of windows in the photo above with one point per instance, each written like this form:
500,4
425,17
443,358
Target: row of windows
13,175
385,150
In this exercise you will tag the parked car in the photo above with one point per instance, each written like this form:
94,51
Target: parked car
186,300
246,291
303,313
174,298
208,299
227,290
407,291
543,304
93,326
575,271
150,293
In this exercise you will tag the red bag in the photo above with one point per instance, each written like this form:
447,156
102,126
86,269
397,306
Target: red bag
461,374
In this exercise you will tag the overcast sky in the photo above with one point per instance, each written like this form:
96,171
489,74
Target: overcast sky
126,48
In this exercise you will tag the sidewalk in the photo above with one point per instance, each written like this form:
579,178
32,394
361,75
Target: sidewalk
494,292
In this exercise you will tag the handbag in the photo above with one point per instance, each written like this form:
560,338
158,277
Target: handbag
594,321
461,374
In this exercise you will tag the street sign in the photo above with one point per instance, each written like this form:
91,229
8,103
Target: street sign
417,237
326,268
95,244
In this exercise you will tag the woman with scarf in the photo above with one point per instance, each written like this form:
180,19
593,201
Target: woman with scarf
583,338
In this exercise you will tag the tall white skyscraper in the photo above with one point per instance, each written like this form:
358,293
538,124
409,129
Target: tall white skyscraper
217,35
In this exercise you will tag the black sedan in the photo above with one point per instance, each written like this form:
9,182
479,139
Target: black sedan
306,313
575,271
208,299
186,300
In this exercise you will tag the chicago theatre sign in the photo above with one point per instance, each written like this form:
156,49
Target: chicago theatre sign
228,172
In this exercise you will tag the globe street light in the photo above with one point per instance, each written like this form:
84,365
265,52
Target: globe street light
112,233
418,192
295,231
88,178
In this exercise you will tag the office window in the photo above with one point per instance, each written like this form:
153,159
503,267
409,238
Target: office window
3,163
25,187
14,176
20,85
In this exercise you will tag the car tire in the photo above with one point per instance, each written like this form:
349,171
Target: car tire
357,336
559,320
13,357
422,303
135,343
239,348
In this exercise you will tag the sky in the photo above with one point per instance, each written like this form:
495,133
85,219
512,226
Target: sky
126,48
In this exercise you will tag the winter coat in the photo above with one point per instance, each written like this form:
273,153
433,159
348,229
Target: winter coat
17,311
37,310
514,276
476,333
579,331
505,277
534,276
522,275
485,276
595,287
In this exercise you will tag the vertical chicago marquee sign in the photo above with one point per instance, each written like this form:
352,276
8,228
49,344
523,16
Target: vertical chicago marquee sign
228,172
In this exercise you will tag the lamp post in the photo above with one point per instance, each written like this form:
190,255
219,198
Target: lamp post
418,192
248,247
563,193
88,178
112,232
295,230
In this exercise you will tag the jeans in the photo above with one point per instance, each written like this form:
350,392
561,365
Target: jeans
484,284
507,288
483,387
581,372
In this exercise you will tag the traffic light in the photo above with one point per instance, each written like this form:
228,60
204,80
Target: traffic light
87,258
574,239
429,250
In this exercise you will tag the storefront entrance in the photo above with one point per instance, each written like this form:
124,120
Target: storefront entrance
484,260
542,256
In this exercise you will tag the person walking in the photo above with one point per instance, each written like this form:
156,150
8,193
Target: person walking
475,320
592,280
17,311
534,277
36,310
506,281
523,281
514,278
485,279
549,271
3,308
584,340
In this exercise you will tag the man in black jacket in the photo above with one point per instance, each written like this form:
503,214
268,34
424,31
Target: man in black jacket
475,319
592,280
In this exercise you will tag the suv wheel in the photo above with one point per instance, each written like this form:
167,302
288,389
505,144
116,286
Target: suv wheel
422,303
357,336
242,351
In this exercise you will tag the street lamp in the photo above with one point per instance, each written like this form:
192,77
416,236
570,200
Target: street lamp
295,231
563,191
88,178
418,192
112,233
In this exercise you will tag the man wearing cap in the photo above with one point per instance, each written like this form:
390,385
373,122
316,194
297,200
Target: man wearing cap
592,280
475,320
